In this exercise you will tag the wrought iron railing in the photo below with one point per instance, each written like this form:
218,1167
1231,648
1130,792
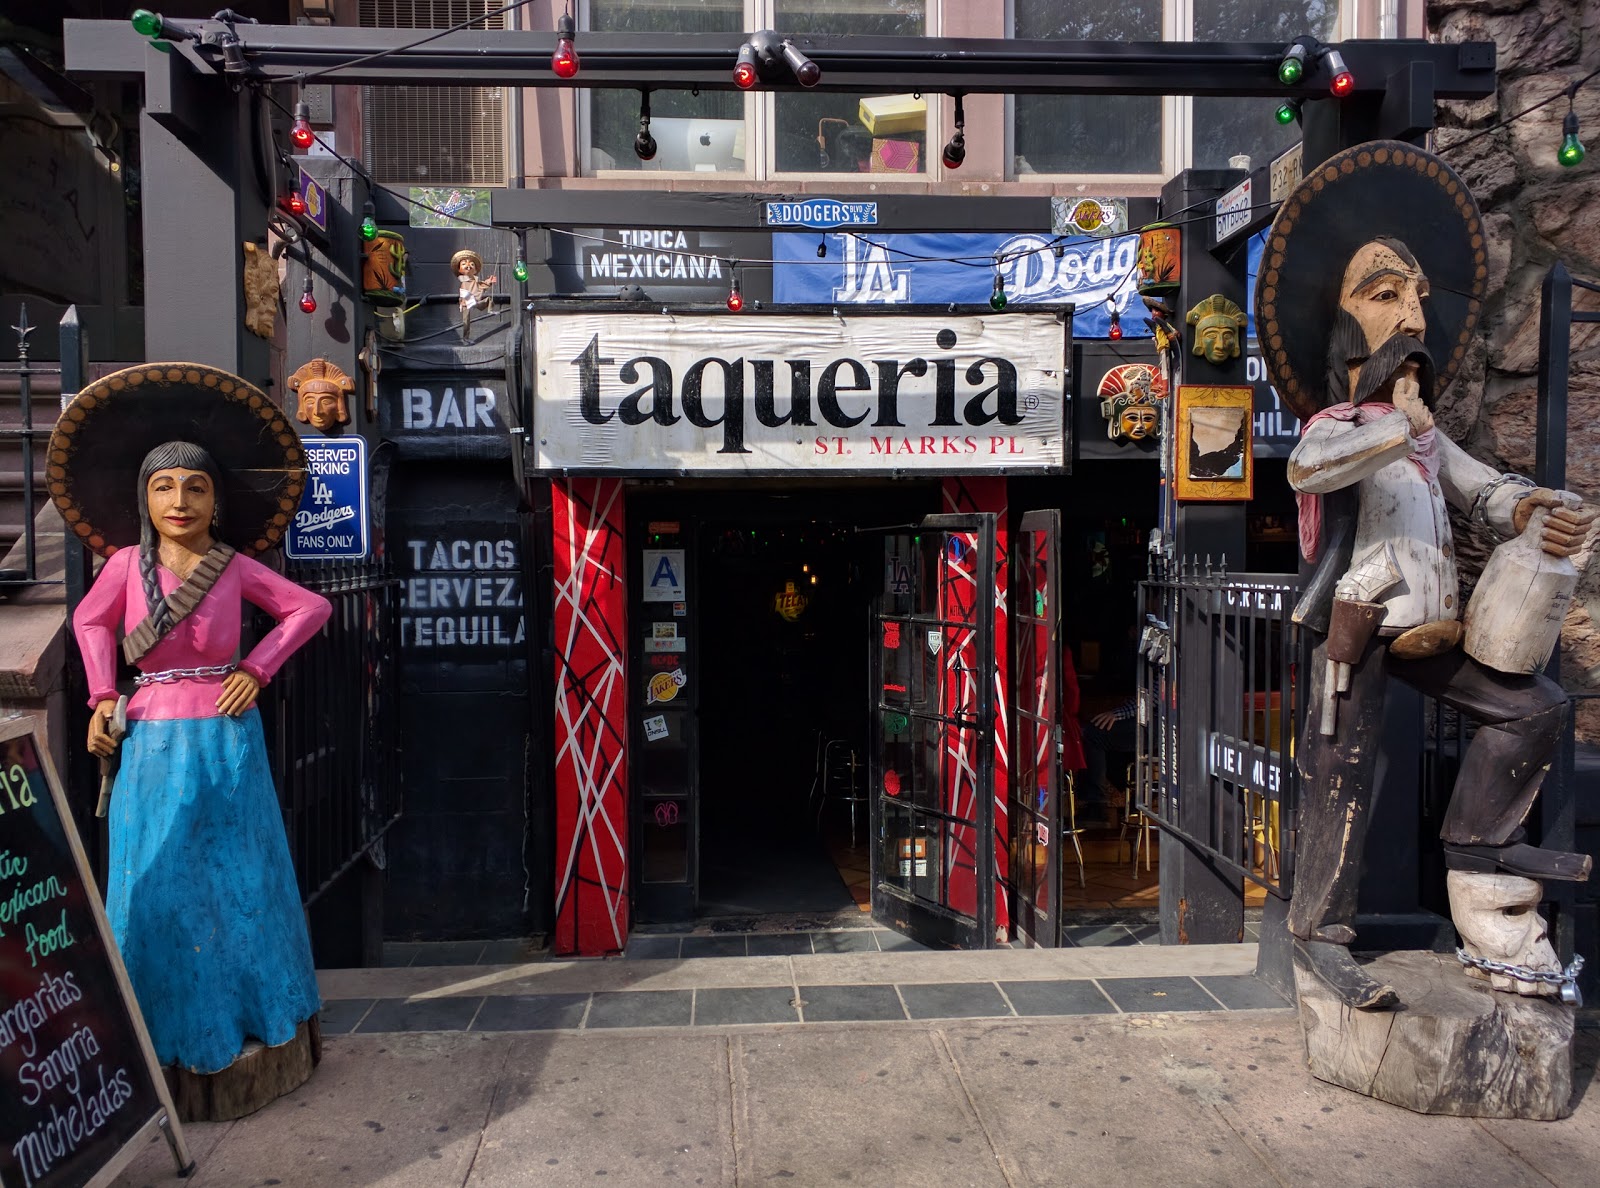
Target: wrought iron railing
1218,702
28,439
332,717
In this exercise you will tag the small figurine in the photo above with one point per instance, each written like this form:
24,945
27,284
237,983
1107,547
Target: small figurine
473,288
1219,326
1159,323
323,389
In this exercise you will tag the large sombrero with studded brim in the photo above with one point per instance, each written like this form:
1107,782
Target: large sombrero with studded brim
1382,188
105,433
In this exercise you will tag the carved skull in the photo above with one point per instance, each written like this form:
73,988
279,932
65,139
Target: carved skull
1497,917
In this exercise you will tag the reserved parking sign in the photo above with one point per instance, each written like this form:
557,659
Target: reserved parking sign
331,523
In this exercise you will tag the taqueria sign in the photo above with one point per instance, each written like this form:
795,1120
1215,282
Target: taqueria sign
763,393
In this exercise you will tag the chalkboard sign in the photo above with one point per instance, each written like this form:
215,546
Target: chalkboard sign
79,1085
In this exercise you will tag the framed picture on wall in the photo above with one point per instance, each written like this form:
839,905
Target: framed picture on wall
1212,455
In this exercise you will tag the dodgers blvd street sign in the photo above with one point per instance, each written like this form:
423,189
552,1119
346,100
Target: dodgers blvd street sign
849,394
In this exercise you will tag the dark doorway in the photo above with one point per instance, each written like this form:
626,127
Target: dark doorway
784,622
785,584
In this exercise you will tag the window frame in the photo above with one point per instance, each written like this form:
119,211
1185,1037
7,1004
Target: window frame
1177,111
760,115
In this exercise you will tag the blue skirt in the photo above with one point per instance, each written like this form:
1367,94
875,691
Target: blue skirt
202,895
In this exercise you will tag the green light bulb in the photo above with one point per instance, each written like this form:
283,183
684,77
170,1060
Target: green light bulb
520,271
1571,151
1290,71
369,228
997,299
1285,113
146,23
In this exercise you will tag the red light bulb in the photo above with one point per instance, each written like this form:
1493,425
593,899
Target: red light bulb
1340,81
1115,332
308,302
744,70
300,131
565,60
735,299
295,203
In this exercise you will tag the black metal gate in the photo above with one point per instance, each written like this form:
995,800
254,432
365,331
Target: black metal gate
933,733
332,717
1219,695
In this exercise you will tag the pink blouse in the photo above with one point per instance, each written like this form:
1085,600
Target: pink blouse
208,637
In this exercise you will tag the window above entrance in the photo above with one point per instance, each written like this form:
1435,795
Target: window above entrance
1135,142
758,135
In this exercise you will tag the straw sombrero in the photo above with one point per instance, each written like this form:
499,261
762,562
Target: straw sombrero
104,434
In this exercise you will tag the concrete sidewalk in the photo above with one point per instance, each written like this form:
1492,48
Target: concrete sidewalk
533,1087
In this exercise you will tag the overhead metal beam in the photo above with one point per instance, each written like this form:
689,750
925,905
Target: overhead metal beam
682,61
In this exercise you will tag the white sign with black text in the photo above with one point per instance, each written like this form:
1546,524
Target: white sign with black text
863,394
1233,211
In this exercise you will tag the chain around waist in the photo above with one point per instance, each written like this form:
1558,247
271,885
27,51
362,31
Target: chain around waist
168,675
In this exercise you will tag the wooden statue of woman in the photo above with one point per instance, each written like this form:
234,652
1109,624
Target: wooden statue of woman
201,891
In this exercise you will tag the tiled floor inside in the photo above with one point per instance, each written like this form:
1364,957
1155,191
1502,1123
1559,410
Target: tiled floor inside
1111,880
797,1005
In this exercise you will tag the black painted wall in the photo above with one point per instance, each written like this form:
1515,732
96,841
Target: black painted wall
456,866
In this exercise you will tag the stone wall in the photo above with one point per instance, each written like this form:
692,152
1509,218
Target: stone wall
1535,212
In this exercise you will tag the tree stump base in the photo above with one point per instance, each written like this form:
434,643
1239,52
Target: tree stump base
259,1076
1452,1046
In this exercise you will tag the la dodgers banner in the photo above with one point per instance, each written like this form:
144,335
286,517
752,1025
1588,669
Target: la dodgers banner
859,394
905,269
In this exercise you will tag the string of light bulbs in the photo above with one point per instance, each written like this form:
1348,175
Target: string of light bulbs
369,221
998,299
1570,153
766,54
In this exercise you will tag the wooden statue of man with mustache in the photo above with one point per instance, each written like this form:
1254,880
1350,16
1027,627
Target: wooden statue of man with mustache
1388,477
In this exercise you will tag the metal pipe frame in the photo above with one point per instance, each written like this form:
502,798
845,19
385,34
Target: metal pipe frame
850,64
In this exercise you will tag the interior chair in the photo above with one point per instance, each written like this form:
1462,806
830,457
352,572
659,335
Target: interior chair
841,780
1136,820
1071,829
1263,835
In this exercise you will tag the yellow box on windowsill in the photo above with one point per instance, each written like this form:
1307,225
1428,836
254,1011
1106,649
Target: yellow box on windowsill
890,115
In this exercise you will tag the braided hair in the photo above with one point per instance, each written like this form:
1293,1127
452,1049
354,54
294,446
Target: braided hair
166,456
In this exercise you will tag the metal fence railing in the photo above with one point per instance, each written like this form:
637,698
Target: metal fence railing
332,717
22,446
1218,703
